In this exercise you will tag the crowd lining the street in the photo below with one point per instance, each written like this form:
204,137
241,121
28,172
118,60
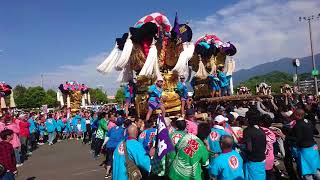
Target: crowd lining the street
242,140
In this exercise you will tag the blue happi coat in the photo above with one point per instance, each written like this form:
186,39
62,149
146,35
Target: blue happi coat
254,170
67,128
74,122
50,125
224,79
60,125
136,153
214,82
41,129
214,138
308,160
146,138
227,166
32,127
154,93
83,125
182,90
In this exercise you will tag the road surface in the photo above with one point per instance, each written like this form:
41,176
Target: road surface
68,160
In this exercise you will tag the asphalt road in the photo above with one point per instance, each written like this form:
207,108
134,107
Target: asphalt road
68,160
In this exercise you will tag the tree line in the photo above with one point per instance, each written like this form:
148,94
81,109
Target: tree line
35,97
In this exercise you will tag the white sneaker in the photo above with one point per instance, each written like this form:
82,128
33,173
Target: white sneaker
19,165
29,153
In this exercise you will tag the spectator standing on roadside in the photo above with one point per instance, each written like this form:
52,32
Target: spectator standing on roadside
24,136
7,157
15,139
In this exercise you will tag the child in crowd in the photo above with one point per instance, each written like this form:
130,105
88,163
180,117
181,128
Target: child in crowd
67,128
42,130
79,130
60,128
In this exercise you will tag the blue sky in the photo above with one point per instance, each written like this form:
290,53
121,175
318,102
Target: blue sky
68,39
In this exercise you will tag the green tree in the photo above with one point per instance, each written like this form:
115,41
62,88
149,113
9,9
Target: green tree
98,96
119,98
51,98
35,97
19,94
274,79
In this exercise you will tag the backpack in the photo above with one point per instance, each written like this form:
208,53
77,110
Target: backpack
133,171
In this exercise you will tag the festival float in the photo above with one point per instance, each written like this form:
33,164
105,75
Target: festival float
6,90
74,94
263,89
152,48
243,90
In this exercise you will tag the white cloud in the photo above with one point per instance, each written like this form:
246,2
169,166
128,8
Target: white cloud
263,30
84,73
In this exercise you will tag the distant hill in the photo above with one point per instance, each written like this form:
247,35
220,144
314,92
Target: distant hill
282,65
274,78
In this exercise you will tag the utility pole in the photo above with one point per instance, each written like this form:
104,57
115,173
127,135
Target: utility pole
314,69
41,80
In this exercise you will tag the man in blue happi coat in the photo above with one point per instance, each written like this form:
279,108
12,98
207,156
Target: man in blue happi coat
136,153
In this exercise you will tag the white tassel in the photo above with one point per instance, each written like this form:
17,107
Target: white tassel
157,71
89,99
148,67
231,86
108,64
3,103
230,67
202,72
85,96
126,74
120,77
61,100
58,96
12,103
125,55
68,101
182,64
83,102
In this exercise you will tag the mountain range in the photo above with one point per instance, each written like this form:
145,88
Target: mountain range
283,65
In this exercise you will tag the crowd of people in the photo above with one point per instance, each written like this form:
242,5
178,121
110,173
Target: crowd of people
257,139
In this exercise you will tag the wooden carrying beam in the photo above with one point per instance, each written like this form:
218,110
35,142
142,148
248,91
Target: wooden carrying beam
234,98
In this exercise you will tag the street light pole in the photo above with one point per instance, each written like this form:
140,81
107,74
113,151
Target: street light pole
42,80
309,18
312,56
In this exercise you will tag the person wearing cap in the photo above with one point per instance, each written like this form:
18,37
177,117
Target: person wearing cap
217,131
114,136
192,126
229,164
224,81
155,93
182,90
